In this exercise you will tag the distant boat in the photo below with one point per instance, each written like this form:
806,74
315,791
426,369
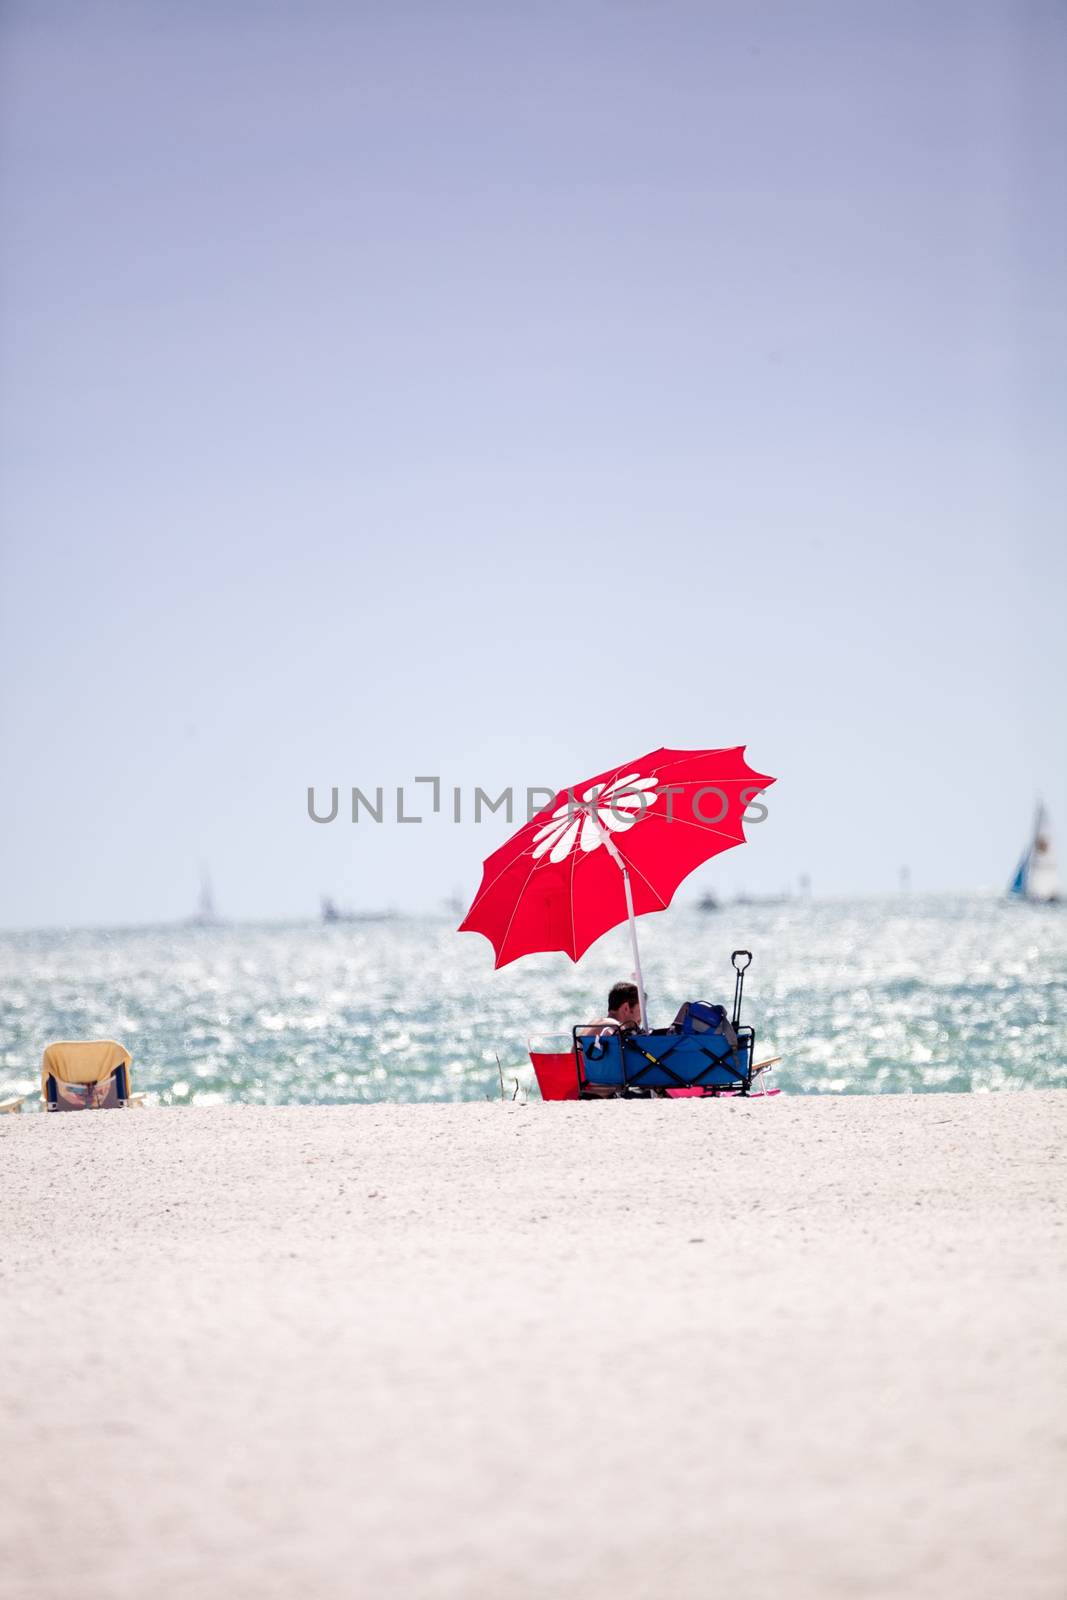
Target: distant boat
332,912
711,902
1036,877
205,915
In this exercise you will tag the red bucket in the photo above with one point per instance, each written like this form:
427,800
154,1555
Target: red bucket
557,1074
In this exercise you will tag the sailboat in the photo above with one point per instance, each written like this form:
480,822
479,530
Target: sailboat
205,915
1037,877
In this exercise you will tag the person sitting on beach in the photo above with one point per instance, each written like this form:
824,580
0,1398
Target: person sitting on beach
624,1011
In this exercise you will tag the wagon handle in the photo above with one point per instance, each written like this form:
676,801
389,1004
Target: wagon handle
739,982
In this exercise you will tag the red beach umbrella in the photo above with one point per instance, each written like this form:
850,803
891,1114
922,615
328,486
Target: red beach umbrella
610,850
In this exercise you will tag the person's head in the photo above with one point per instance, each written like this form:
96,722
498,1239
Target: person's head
624,1003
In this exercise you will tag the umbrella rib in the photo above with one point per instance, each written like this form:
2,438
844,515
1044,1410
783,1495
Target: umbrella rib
689,783
635,868
485,887
687,755
514,913
702,827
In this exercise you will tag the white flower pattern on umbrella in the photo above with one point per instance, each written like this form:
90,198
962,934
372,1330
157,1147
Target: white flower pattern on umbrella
617,806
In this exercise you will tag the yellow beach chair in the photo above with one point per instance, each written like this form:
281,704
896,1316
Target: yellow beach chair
85,1075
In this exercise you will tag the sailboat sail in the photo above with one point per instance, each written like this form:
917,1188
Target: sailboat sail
1043,882
206,909
205,915
1037,876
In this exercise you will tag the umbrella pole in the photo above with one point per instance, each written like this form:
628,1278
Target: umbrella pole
633,941
613,851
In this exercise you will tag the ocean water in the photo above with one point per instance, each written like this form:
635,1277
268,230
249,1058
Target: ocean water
904,995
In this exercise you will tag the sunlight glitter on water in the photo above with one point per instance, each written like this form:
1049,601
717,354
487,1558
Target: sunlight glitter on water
874,996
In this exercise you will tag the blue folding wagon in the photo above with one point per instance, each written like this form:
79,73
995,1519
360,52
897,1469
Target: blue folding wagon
703,1052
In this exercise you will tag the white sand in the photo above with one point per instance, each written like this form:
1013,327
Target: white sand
809,1348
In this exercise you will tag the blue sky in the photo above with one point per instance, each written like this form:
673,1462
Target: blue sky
500,391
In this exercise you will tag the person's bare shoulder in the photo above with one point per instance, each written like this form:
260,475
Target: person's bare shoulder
597,1027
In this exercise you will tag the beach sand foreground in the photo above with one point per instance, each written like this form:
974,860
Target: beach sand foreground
807,1348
